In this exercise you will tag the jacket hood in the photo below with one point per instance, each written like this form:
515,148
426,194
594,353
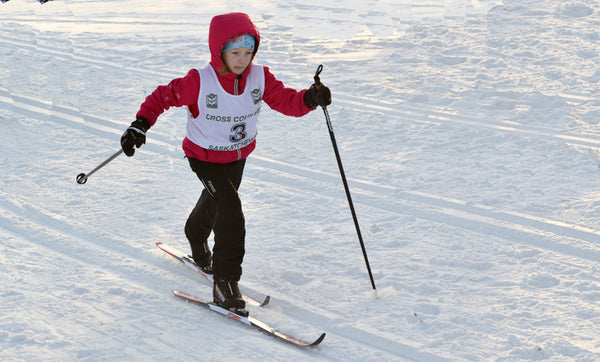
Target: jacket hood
222,29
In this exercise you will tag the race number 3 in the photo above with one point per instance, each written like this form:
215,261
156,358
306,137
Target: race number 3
239,132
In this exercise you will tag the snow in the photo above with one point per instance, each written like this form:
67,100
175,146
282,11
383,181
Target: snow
468,132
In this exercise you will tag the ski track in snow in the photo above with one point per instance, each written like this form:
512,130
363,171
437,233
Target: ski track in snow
141,270
490,217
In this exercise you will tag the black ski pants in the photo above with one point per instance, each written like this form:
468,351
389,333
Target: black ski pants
219,209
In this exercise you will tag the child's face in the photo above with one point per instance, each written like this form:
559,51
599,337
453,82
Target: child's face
237,59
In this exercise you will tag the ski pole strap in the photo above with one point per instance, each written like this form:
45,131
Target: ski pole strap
133,128
317,79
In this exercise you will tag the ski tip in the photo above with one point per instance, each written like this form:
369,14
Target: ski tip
159,244
184,295
266,301
318,341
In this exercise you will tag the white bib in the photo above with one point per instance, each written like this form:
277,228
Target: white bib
226,122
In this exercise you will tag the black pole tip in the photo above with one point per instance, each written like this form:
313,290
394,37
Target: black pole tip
81,178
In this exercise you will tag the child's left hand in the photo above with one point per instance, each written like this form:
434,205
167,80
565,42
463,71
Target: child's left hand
317,96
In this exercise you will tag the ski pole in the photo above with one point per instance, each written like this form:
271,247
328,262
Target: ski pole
82,177
343,174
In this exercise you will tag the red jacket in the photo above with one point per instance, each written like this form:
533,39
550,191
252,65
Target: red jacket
185,91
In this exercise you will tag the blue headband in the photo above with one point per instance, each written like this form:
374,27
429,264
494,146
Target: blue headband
241,41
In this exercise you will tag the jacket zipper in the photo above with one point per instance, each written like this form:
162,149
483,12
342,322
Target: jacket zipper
237,86
237,89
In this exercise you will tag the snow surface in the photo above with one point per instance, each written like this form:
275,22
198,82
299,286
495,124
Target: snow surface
468,131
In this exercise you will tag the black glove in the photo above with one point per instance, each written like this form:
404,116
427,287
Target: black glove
135,135
320,97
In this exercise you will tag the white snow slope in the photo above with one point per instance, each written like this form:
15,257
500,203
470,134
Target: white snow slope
469,134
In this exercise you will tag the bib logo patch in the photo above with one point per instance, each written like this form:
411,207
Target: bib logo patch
212,101
256,95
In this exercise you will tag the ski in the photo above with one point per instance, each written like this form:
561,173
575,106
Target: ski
249,320
189,262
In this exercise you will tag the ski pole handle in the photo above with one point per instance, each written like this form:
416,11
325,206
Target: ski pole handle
82,177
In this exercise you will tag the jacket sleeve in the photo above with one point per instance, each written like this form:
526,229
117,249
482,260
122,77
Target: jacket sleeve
179,92
282,99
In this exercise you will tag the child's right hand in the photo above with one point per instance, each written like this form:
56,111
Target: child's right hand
135,135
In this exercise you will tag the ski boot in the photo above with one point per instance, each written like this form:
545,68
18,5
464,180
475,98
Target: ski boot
226,294
202,257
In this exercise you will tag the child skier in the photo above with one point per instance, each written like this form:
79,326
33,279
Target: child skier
223,101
